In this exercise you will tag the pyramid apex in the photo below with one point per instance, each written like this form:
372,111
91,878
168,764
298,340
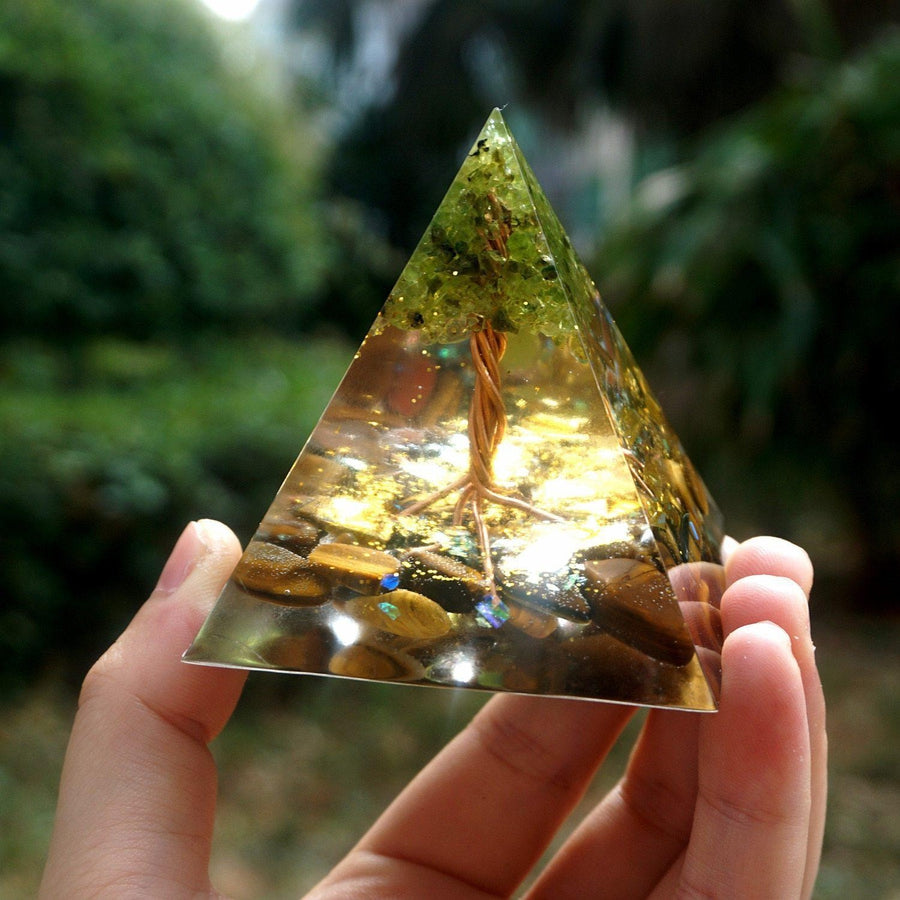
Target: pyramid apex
491,254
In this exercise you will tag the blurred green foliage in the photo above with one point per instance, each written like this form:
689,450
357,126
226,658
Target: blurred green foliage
771,261
145,187
160,248
96,480
671,70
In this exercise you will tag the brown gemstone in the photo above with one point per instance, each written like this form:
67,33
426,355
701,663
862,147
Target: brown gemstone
401,612
548,597
531,621
308,651
614,549
280,574
363,661
311,468
359,568
295,534
633,601
450,582
610,669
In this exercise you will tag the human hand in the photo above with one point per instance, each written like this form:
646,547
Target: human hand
725,805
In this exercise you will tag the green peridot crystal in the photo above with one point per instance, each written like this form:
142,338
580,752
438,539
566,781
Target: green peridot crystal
494,252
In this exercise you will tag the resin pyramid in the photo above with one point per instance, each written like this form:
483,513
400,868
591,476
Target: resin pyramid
493,498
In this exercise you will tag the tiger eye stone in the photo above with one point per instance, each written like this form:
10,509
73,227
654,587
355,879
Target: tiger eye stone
361,569
533,622
364,661
401,612
450,582
547,598
632,601
294,533
310,650
281,575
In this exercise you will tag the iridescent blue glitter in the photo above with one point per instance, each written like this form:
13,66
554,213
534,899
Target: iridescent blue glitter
389,609
492,612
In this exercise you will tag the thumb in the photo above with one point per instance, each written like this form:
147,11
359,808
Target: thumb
137,795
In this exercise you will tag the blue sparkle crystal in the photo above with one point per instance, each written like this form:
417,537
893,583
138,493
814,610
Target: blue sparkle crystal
390,581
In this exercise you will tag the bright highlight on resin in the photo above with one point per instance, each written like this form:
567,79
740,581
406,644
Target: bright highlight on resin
493,498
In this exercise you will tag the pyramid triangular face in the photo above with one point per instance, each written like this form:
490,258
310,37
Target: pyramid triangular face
493,498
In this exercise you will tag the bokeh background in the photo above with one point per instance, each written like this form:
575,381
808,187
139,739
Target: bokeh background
202,211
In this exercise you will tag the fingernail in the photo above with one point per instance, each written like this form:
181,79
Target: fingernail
729,545
181,561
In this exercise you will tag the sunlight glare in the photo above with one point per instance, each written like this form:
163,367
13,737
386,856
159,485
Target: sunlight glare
233,10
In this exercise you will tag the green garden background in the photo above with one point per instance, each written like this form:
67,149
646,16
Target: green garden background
199,220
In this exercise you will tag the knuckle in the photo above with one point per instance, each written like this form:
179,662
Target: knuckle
521,750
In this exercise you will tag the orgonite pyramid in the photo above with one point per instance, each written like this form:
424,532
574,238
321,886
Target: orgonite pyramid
493,498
